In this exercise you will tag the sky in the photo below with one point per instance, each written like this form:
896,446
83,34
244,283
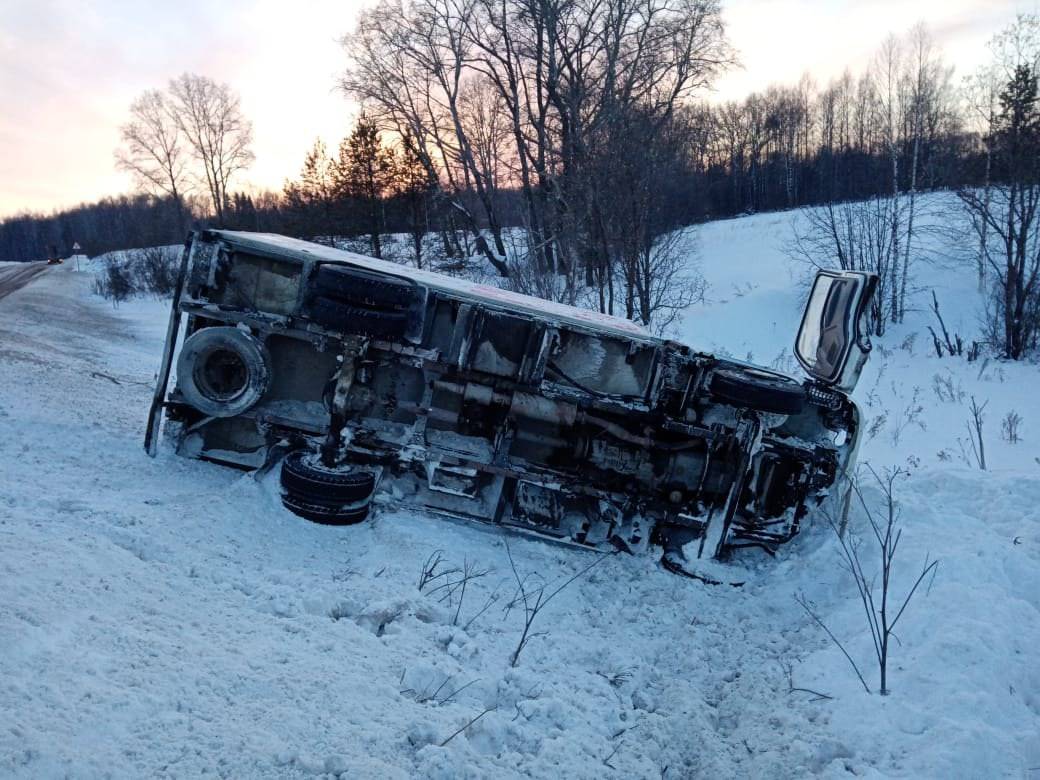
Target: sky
70,69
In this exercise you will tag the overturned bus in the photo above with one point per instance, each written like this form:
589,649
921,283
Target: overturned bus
359,378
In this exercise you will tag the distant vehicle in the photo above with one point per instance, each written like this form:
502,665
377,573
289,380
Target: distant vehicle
366,378
54,261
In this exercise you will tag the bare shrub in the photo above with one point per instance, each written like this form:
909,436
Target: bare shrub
433,569
946,390
877,425
788,668
952,345
911,415
156,267
441,694
1009,427
449,583
526,277
785,362
148,271
875,597
857,236
652,284
532,596
975,425
114,283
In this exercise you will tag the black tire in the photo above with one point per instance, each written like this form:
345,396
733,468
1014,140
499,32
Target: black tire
325,515
763,391
364,288
303,476
347,318
222,371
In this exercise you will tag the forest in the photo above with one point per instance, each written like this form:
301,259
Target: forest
559,145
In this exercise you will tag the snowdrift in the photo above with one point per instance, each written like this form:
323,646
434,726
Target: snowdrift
169,617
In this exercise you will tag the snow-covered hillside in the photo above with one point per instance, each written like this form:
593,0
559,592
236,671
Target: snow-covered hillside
168,617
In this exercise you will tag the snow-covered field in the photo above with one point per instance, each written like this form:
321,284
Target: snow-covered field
168,617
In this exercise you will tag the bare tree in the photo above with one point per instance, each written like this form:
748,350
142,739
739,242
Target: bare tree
664,281
1006,213
411,186
855,236
154,150
210,117
928,103
539,93
981,93
408,66
886,75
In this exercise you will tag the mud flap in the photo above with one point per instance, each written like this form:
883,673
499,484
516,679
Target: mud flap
274,455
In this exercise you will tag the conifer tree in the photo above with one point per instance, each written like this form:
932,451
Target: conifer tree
412,189
363,175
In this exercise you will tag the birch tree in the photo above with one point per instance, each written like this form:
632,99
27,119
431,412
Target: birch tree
154,150
568,77
928,104
886,76
209,115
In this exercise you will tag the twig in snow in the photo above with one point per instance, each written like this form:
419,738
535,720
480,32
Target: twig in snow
101,375
456,692
491,600
800,598
115,381
792,688
606,761
617,678
535,600
471,722
430,572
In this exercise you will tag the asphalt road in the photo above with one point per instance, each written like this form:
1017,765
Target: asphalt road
15,277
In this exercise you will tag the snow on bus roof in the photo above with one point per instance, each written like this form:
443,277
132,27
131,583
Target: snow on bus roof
496,296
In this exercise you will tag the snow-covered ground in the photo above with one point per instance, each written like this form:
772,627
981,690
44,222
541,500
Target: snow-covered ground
168,617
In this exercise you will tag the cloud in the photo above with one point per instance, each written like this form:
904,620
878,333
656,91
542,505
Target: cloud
781,40
69,70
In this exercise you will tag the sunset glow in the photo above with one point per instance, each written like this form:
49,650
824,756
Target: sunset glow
69,71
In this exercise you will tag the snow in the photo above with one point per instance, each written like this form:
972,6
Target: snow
168,617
